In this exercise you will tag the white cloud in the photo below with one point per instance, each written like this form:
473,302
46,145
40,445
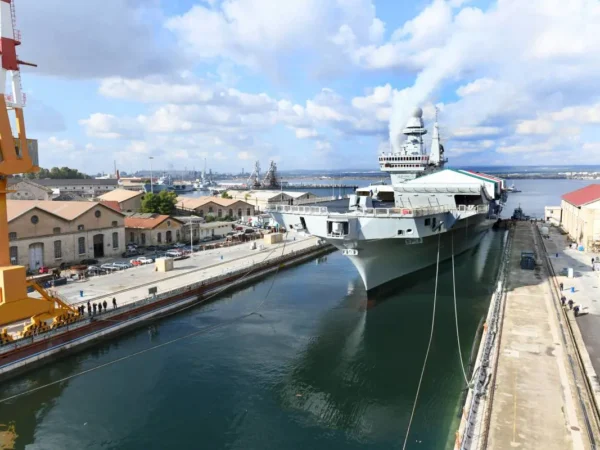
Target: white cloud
255,33
306,133
323,146
475,87
539,126
60,144
93,38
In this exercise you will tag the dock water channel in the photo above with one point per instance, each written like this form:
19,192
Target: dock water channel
321,367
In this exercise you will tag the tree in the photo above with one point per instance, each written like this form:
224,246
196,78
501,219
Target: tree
161,203
226,195
209,218
58,173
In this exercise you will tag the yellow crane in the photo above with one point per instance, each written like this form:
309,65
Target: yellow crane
15,304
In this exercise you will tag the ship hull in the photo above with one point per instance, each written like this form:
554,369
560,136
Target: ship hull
380,261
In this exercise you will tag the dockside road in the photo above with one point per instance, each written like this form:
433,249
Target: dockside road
131,285
584,290
538,398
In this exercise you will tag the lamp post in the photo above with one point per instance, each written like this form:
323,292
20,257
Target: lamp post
151,186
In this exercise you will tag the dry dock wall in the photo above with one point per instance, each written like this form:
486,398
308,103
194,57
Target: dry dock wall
26,354
474,412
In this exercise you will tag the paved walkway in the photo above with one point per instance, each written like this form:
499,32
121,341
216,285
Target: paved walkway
586,284
534,405
130,285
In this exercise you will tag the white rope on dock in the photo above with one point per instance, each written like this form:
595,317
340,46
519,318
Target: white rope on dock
412,414
462,365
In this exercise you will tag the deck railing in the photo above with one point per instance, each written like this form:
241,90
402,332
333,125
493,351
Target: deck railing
382,212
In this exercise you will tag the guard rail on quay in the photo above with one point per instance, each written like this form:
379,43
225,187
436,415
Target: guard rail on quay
26,353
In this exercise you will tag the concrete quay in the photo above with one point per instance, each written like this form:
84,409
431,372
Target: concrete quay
131,285
25,354
537,394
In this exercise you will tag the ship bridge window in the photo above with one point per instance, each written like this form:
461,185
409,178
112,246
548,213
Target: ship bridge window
433,222
400,232
427,222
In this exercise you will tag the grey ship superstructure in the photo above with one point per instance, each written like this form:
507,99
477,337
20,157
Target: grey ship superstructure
388,233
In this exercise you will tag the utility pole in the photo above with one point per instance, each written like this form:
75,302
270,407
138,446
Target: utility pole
151,186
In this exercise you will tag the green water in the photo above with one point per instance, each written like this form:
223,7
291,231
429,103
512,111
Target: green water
321,367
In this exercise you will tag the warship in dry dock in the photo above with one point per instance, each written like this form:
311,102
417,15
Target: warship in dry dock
391,230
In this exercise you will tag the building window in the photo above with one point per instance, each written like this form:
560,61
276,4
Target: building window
131,239
56,230
115,240
81,242
168,223
115,223
169,237
159,237
12,236
14,255
427,222
35,219
80,227
240,213
57,250
210,209
97,213
248,212
219,213
201,212
178,235
231,213
195,233
143,238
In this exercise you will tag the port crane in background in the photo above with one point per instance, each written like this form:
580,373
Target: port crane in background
15,158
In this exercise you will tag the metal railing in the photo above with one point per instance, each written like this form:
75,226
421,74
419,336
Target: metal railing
382,212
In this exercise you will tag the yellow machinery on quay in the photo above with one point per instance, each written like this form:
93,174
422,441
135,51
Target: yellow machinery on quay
15,305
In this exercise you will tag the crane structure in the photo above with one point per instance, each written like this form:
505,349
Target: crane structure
15,304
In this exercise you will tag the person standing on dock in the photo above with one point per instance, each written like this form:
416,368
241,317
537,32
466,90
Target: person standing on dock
114,303
94,308
89,309
562,286
105,305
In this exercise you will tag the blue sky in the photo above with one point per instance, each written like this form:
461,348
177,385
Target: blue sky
310,83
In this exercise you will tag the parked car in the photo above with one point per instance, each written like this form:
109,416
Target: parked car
179,245
122,265
43,269
142,260
109,267
95,270
130,253
174,253
89,262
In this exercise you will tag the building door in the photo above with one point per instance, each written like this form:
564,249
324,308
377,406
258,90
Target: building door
98,246
36,255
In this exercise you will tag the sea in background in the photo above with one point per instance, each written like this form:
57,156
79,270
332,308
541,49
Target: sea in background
320,365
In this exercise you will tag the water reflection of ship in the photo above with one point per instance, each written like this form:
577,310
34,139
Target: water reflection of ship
358,372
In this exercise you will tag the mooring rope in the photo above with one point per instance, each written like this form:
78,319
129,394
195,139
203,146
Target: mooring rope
462,366
437,270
